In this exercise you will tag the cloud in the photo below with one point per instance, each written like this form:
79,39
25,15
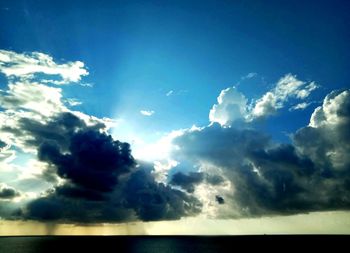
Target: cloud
101,180
7,192
190,180
231,106
6,155
287,87
220,199
147,113
93,177
73,102
187,182
249,76
169,93
326,139
28,105
227,169
32,96
25,65
300,106
157,201
268,178
94,161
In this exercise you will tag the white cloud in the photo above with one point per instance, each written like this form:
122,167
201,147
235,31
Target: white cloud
147,112
32,96
249,76
287,87
161,169
232,105
327,114
35,100
300,106
326,139
73,102
25,65
169,93
266,105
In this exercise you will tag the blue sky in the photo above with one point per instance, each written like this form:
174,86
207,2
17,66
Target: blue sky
185,83
201,47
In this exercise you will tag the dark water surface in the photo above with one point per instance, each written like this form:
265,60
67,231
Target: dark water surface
168,244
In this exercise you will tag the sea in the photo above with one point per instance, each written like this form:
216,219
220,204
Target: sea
170,244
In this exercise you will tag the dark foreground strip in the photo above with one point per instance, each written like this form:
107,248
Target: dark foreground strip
172,244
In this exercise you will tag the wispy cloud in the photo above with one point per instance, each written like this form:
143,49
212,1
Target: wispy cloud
73,102
169,93
287,87
26,65
147,112
300,106
249,75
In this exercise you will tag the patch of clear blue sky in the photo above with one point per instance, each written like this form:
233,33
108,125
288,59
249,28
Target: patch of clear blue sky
137,51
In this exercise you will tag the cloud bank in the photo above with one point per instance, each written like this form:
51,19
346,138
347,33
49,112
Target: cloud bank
227,169
93,177
310,174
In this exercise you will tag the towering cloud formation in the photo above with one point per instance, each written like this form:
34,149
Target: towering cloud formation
231,106
96,177
269,178
326,139
226,169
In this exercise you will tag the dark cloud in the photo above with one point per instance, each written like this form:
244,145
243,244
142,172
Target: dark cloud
103,182
219,199
58,206
7,192
2,144
312,174
156,201
94,161
214,179
218,145
188,181
137,196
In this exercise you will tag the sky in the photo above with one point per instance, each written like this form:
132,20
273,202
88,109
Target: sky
170,112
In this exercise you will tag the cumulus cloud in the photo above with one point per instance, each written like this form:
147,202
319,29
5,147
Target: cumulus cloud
147,112
190,180
157,201
7,192
228,170
286,88
25,65
326,139
187,182
101,180
93,177
233,106
311,174
32,96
